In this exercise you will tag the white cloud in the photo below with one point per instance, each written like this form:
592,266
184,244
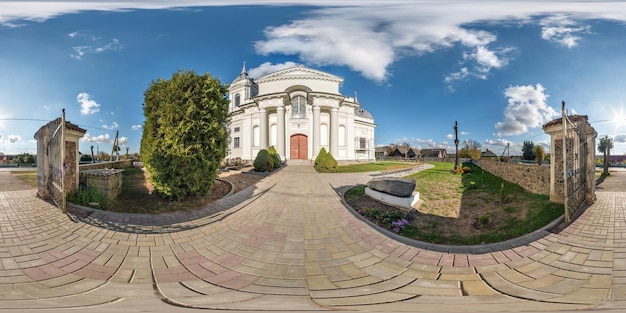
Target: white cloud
87,106
620,138
136,127
498,142
464,133
562,30
450,136
368,36
14,138
268,67
1,136
97,139
91,44
527,108
122,141
114,125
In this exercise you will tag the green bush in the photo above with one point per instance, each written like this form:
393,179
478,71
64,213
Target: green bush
318,159
184,138
263,161
325,162
274,155
89,197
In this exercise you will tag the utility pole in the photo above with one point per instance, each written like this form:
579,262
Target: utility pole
456,143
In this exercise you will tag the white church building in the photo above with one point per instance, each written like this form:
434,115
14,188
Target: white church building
297,110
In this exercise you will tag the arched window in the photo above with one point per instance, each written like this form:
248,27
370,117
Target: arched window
342,135
237,100
273,135
256,136
298,107
324,135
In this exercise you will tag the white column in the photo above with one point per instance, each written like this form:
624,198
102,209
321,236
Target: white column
316,131
280,136
334,129
264,130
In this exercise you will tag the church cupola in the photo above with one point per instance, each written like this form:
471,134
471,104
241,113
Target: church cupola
242,89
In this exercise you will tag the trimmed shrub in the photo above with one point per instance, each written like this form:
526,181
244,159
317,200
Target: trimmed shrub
263,161
274,155
325,162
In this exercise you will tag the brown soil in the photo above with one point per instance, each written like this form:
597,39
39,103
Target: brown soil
138,193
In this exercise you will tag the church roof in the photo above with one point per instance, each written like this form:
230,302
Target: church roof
299,71
362,113
243,75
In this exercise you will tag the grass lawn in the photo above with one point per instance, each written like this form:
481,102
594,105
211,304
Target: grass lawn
472,208
29,178
373,167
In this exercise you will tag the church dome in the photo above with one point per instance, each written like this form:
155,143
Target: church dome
362,113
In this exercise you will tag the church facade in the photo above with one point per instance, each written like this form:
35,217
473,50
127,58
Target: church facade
297,110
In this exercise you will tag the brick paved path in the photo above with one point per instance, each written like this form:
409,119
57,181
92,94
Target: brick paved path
290,243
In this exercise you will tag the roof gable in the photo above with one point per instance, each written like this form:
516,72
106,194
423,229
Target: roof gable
299,72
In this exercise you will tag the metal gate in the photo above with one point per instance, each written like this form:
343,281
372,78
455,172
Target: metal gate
56,170
575,163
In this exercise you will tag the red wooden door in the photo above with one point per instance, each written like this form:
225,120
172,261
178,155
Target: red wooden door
299,146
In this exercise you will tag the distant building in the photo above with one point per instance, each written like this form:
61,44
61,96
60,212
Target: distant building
298,111
488,155
434,153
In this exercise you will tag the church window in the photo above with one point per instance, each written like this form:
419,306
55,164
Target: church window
324,135
237,100
237,129
236,142
342,135
298,107
256,136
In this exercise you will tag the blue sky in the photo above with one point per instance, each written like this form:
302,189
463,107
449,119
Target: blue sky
499,68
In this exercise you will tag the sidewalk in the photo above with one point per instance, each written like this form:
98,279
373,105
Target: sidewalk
291,244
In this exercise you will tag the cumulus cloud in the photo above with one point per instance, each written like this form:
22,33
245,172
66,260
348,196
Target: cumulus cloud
450,136
498,142
620,138
122,141
1,136
463,133
562,30
136,127
268,67
97,139
114,125
87,106
527,108
14,138
368,36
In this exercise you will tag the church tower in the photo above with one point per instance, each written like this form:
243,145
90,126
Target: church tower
241,90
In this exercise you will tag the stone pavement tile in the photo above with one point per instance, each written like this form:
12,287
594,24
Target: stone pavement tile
572,274
618,293
491,268
291,283
584,296
319,282
273,290
9,292
383,286
599,282
271,303
432,287
498,283
357,282
476,288
541,283
386,297
421,274
459,277
78,301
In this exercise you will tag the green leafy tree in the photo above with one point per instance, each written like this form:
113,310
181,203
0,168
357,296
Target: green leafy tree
527,150
184,138
471,149
605,145
540,154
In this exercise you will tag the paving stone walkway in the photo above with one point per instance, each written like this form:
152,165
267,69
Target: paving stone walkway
289,243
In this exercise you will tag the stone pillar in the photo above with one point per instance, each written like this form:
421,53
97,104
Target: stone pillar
316,131
280,136
334,129
554,128
263,129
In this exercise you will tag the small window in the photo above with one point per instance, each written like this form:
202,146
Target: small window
237,129
298,107
237,100
362,143
236,142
